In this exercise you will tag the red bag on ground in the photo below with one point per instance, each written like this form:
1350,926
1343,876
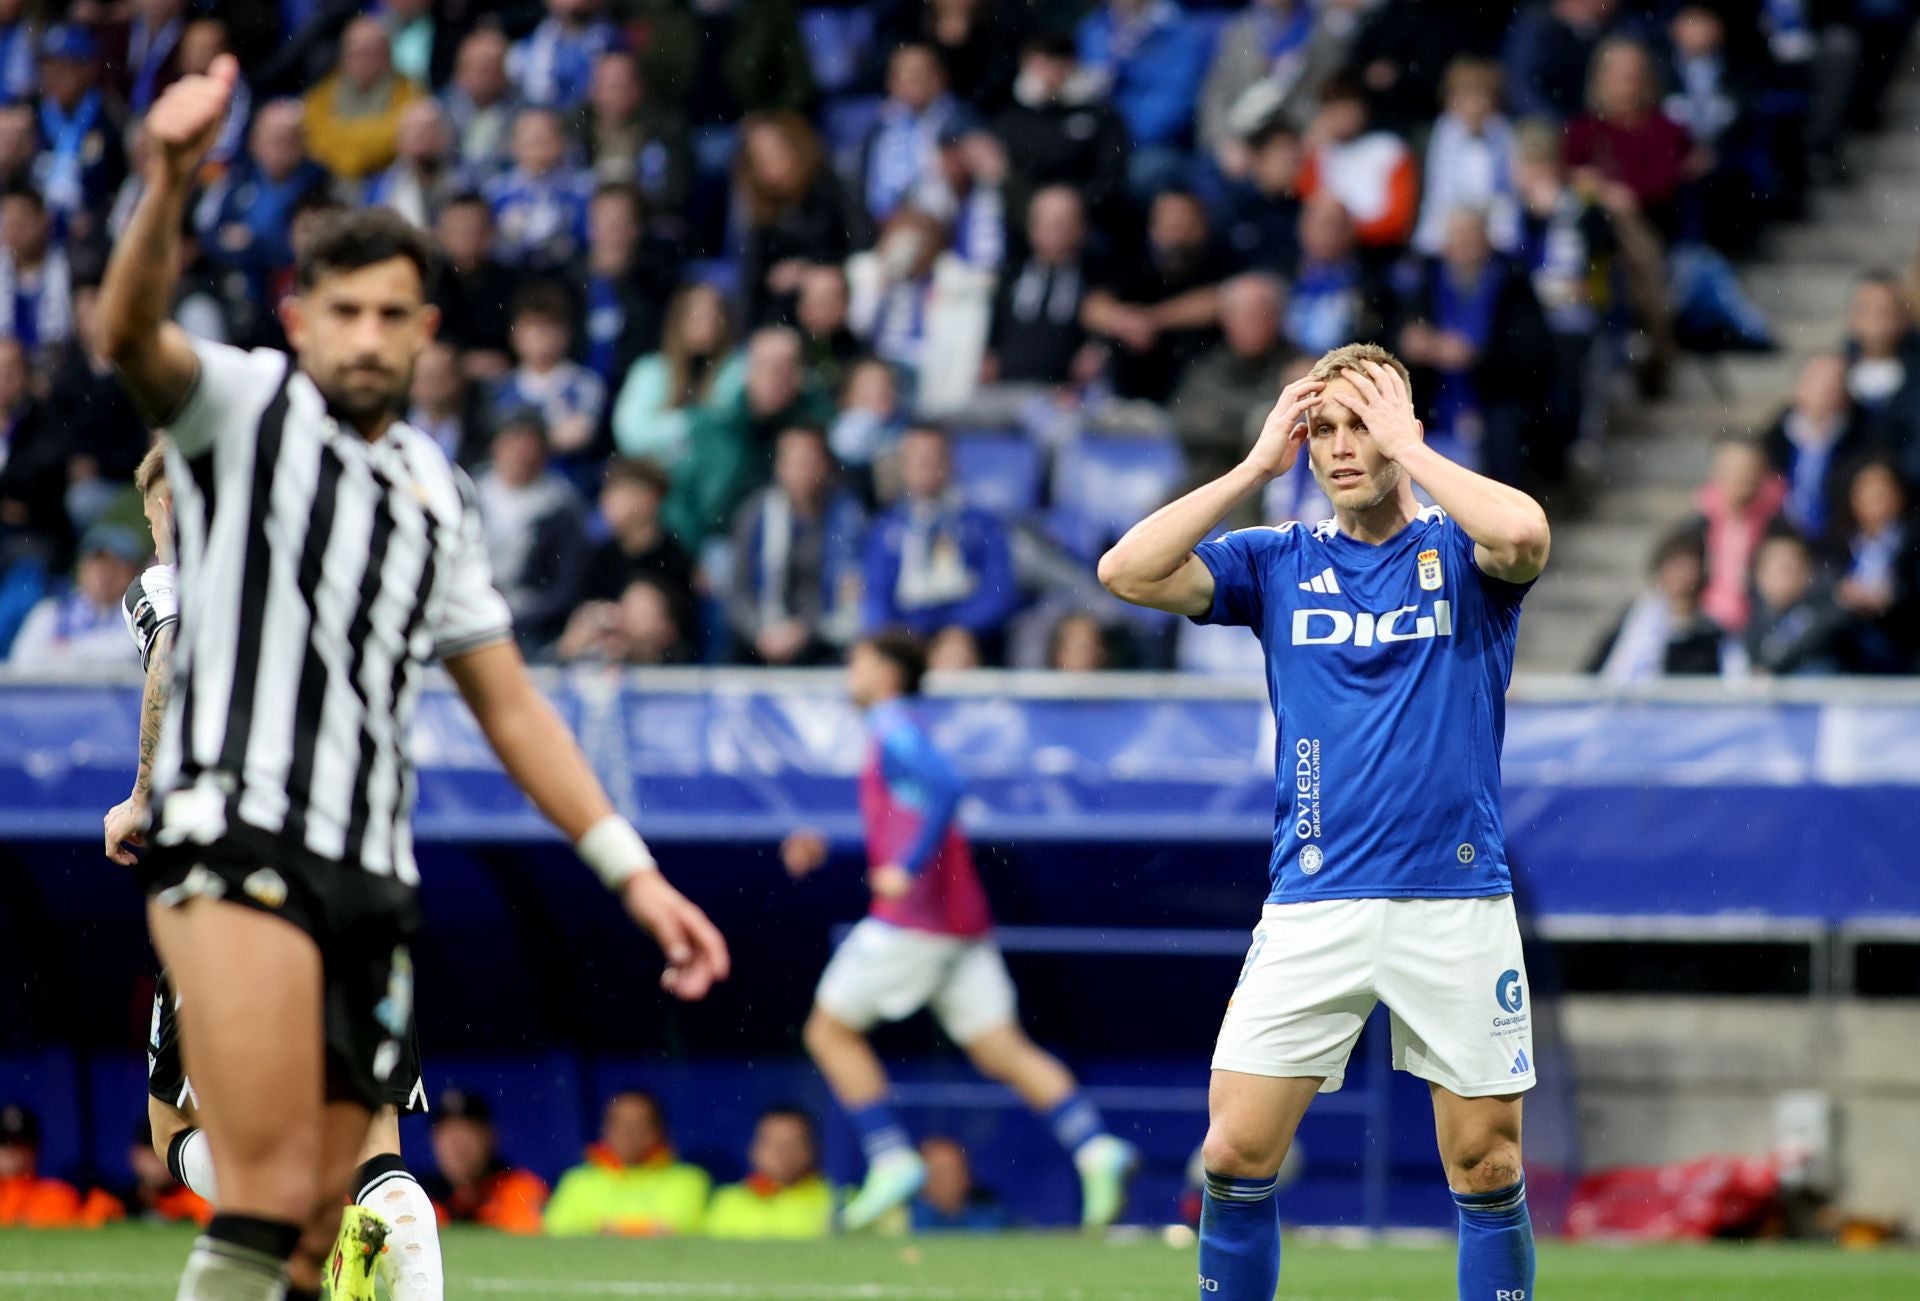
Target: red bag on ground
1713,1197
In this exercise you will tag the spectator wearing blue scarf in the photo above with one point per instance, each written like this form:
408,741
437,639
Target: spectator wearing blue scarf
1154,59
1333,298
81,162
900,151
795,596
933,563
142,56
553,66
1473,332
246,219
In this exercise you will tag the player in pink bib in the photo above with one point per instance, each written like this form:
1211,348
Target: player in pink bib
927,942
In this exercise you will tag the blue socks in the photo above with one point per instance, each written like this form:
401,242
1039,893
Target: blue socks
880,1130
1074,1121
1496,1245
1240,1239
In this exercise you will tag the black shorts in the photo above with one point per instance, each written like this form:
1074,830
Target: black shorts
405,1089
362,925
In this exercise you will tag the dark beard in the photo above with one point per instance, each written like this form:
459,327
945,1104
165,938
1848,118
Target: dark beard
364,416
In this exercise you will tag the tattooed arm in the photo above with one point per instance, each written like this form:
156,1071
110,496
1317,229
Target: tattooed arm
126,822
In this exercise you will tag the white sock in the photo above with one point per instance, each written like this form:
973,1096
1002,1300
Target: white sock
410,1266
190,1157
221,1271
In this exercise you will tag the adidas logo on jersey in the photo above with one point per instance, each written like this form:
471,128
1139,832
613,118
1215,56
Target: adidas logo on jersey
1323,581
1343,627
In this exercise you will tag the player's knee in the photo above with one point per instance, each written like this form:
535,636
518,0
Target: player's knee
1485,1166
825,1032
277,1167
997,1054
1241,1154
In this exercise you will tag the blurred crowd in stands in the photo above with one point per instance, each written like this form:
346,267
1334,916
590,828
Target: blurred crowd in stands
631,1181
1805,555
764,325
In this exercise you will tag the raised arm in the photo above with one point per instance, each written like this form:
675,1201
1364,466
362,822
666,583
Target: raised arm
152,353
543,759
1154,564
1509,529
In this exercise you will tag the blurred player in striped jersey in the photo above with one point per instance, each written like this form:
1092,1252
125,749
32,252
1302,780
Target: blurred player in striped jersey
330,553
928,943
392,1218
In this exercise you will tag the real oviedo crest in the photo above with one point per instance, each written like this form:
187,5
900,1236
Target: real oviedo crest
1429,570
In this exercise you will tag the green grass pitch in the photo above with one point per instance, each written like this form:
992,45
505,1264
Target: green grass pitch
135,1263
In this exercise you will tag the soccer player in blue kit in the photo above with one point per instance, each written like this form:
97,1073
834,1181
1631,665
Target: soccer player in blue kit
1389,633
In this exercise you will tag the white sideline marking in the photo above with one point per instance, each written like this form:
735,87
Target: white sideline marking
73,1279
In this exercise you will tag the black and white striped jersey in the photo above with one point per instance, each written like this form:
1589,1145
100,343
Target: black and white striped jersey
151,605
321,574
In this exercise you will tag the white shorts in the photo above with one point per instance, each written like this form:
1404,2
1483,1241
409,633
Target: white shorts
883,972
1449,971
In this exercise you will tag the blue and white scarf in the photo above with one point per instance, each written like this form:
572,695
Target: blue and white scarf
63,178
554,66
40,314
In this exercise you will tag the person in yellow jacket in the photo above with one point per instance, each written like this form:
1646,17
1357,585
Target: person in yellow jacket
783,1196
353,115
630,1182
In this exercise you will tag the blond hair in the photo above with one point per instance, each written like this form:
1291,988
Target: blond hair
1470,73
1348,356
151,474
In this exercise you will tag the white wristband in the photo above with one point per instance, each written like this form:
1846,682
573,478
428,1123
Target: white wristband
614,850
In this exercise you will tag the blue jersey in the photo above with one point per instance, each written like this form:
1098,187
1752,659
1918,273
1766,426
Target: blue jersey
1387,668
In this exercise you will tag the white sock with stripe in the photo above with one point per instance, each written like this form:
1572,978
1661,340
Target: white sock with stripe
410,1266
190,1159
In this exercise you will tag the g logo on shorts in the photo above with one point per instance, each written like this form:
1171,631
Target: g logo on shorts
1507,991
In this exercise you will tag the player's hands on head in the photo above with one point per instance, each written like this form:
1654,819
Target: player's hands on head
890,881
803,852
696,952
126,829
184,122
1285,431
1384,404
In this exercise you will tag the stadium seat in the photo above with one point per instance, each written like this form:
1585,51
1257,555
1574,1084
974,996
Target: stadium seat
1102,485
837,41
999,471
723,273
117,1085
20,588
1212,22
845,123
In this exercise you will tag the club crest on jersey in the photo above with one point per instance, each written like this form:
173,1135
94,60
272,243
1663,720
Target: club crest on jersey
265,887
1429,565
